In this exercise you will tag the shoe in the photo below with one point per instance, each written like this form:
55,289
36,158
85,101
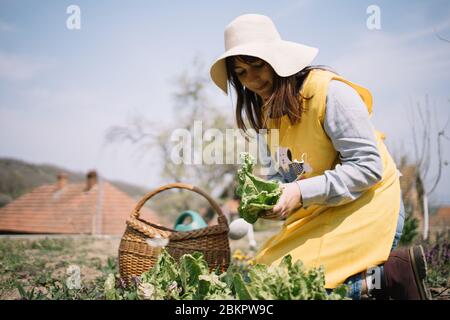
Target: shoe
419,263
404,275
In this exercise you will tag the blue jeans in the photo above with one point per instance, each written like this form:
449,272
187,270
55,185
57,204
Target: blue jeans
354,283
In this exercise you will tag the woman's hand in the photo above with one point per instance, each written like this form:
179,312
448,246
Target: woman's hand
289,201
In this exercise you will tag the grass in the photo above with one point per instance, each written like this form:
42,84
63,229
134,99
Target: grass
37,269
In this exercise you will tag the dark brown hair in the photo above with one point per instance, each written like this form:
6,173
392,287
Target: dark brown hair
286,98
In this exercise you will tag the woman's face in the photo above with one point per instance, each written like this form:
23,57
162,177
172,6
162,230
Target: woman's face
256,76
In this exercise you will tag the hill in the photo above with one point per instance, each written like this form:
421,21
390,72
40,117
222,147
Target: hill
18,177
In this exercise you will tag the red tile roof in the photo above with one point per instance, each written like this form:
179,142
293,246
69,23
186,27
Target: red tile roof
441,218
71,210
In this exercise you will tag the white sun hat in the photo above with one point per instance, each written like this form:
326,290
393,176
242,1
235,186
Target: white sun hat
256,35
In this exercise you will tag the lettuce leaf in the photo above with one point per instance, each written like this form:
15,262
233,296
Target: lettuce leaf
287,281
257,195
190,279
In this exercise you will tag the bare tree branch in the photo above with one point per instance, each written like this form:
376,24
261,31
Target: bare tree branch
191,105
441,134
411,119
423,157
427,135
424,135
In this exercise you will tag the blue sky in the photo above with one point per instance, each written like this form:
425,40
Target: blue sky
60,89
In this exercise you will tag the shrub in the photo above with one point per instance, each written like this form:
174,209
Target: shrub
438,260
409,231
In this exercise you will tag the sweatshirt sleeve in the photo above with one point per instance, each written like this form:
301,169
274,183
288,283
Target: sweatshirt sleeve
267,170
348,125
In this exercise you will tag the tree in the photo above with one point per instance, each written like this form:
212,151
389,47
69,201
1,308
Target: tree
424,135
153,137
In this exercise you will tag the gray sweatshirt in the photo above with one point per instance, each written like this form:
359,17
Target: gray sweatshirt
348,125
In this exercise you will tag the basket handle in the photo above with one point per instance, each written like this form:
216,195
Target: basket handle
135,214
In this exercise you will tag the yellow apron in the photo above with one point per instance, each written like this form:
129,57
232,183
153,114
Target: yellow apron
345,239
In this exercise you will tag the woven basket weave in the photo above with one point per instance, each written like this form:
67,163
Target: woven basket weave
136,255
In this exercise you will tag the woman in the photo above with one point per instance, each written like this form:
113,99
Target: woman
345,212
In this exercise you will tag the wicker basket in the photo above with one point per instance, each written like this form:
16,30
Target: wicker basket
136,255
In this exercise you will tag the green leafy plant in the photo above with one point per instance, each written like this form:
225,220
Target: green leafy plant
287,281
190,279
257,195
409,232
30,273
30,294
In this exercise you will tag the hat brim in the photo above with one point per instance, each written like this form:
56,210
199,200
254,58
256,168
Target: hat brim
285,57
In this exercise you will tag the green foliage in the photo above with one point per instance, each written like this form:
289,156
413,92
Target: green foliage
11,258
190,279
187,280
18,177
36,269
30,294
287,281
33,274
4,199
257,195
110,288
47,244
410,231
111,266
